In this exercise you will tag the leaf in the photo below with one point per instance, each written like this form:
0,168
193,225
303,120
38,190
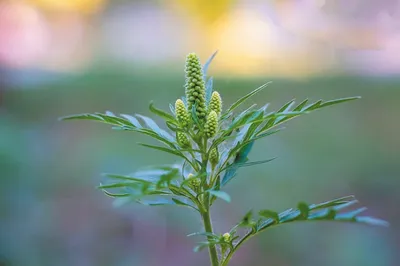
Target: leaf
157,202
239,165
153,126
270,214
172,108
204,234
332,203
209,90
327,211
181,203
161,113
220,194
128,178
371,221
247,96
247,219
304,209
114,195
207,64
300,106
202,245
164,149
132,120
118,185
341,100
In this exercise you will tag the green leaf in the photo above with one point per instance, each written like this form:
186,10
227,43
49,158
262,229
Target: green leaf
204,234
209,90
153,126
240,165
270,214
119,185
304,209
181,203
342,100
220,194
164,149
127,178
332,203
161,113
115,195
300,106
202,245
327,211
371,221
172,108
132,120
247,219
207,64
246,97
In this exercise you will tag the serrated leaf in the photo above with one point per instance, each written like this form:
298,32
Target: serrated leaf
220,194
207,64
246,97
161,113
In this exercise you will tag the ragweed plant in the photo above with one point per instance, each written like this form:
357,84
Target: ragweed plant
212,145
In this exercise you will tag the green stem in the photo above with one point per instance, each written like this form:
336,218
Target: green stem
237,246
208,228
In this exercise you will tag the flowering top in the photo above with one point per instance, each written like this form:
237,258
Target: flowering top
215,103
195,86
182,114
211,125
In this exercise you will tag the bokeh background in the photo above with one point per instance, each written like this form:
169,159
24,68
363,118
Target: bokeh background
64,57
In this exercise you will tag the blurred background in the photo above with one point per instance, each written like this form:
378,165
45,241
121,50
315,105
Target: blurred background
65,57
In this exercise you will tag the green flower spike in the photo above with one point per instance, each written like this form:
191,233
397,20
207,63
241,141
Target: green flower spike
215,103
195,86
182,114
182,140
214,157
211,125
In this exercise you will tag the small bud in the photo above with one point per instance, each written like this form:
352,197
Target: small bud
210,128
182,114
182,140
215,103
194,183
214,157
195,86
227,237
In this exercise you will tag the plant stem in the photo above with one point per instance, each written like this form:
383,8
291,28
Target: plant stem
231,252
208,228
